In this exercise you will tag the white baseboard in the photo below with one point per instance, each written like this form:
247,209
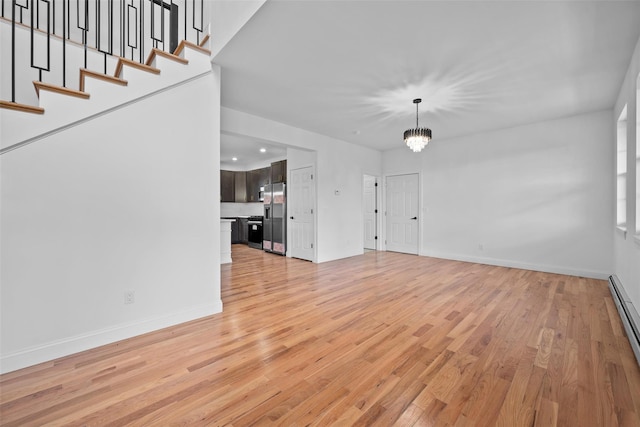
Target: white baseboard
628,314
78,343
594,274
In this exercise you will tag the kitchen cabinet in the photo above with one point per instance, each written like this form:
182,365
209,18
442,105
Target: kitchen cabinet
240,187
243,230
257,179
265,176
279,171
233,186
253,186
227,186
234,231
239,229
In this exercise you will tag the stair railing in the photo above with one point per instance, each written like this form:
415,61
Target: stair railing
112,28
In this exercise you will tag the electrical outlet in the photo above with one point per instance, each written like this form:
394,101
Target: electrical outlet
129,297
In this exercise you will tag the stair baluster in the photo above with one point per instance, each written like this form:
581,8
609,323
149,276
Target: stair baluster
123,22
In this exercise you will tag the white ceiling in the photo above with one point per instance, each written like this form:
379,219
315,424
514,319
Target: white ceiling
247,152
350,69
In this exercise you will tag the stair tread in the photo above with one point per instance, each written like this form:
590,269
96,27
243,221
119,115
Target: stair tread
111,79
185,43
158,52
144,67
21,107
84,73
59,89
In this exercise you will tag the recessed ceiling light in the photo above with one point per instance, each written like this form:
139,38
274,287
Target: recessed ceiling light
263,150
235,159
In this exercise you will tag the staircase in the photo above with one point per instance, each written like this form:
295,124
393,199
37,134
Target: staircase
59,105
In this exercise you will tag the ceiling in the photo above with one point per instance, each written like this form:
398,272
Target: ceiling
350,69
247,153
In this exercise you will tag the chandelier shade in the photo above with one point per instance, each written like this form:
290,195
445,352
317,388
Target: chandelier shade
418,138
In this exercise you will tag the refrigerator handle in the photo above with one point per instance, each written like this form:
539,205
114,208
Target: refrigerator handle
266,212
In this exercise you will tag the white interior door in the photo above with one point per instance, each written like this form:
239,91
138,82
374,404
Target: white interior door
370,208
402,213
301,213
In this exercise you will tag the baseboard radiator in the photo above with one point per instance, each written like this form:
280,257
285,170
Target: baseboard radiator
628,314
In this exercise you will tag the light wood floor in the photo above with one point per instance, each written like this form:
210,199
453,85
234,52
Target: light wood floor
379,339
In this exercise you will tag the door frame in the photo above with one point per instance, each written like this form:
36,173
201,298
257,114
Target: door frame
383,241
315,208
379,207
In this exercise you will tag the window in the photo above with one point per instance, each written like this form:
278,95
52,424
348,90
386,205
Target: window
621,169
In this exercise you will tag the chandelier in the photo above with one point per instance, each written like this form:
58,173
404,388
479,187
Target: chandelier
417,138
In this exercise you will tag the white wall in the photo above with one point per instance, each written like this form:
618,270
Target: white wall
536,196
227,17
339,166
126,201
297,159
241,209
626,248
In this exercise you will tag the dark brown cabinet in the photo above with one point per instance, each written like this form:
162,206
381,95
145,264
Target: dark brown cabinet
234,232
256,180
243,230
227,186
264,175
239,230
253,186
233,186
279,171
240,187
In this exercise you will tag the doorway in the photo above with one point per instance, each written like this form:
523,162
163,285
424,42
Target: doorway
402,202
301,213
370,212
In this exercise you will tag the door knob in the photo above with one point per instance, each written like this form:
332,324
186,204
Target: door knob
415,217
291,217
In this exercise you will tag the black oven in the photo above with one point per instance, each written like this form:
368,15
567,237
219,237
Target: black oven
254,224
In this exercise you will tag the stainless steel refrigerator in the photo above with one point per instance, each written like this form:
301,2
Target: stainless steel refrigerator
274,230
